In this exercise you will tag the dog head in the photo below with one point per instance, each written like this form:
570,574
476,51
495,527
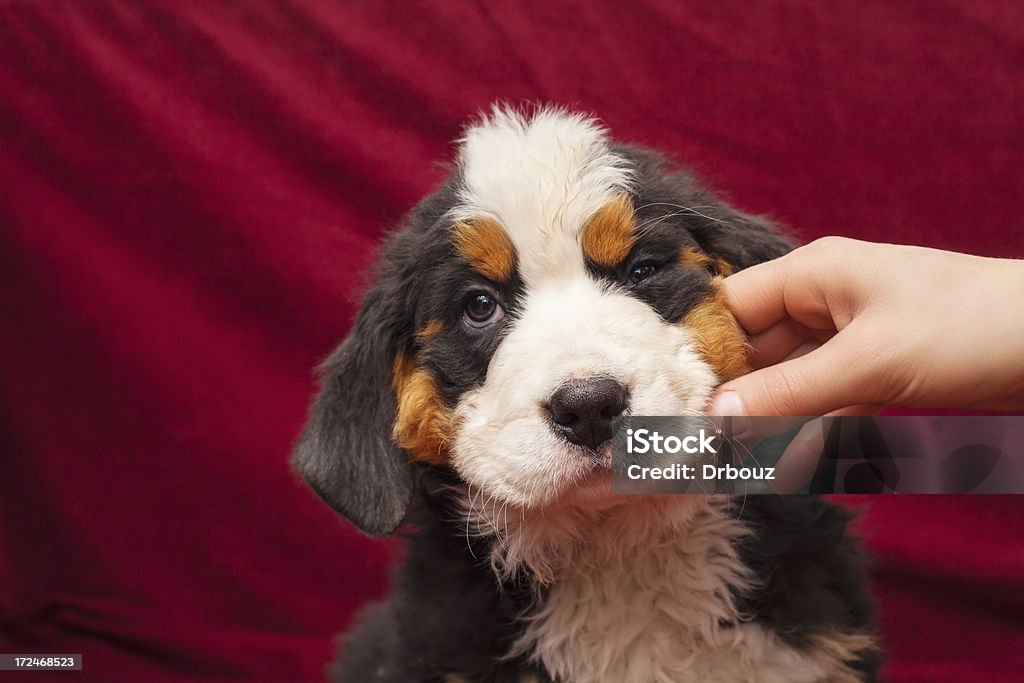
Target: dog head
556,281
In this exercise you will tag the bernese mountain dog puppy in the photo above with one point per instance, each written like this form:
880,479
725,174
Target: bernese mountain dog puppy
556,281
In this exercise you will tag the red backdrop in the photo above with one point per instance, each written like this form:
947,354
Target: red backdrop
188,191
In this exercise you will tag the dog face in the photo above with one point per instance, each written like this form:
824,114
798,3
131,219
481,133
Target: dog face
556,282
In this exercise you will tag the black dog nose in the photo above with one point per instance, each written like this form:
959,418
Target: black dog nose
582,411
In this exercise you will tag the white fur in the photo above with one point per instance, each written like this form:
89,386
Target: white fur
543,177
568,329
636,586
638,593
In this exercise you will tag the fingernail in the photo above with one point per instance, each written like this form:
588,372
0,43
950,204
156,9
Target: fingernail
729,404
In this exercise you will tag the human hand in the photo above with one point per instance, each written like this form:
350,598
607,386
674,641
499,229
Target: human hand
842,326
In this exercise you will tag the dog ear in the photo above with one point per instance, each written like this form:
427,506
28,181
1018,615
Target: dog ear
732,239
346,452
737,238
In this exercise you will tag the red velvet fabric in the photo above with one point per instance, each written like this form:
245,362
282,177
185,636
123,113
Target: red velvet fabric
188,191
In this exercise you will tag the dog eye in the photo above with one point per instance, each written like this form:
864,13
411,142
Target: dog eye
639,274
481,310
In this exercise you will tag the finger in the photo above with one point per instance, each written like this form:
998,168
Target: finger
862,409
811,285
830,377
779,342
776,343
746,433
803,349
756,295
786,288
800,460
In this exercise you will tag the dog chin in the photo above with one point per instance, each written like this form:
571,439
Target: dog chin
593,491
595,484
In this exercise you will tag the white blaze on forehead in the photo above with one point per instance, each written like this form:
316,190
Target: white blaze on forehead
542,175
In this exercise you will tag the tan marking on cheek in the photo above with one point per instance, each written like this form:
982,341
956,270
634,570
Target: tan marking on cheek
422,422
691,257
431,329
836,652
485,244
608,236
723,267
718,336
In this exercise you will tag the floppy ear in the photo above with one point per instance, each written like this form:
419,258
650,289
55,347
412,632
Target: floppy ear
346,451
739,239
734,240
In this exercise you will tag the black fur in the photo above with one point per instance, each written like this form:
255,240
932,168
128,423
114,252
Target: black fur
448,612
815,572
346,452
672,201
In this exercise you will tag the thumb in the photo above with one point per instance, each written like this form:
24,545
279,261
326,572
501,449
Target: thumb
826,379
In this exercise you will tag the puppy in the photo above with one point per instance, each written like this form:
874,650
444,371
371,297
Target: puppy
556,281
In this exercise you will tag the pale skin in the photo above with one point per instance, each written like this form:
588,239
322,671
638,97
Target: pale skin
842,327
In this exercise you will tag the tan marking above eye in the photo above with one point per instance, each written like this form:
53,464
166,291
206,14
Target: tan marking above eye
484,243
717,336
608,236
423,423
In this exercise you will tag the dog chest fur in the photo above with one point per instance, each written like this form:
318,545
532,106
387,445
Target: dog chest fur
652,597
